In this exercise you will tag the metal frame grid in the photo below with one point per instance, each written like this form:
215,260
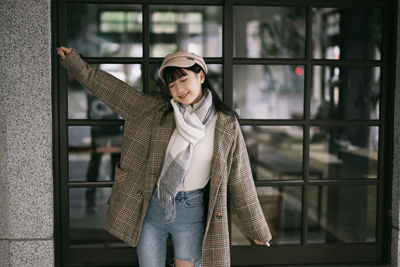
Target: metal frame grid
303,253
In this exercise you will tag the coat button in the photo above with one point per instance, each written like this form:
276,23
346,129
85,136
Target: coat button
139,193
218,215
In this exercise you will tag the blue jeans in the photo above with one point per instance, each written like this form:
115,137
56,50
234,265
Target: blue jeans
187,230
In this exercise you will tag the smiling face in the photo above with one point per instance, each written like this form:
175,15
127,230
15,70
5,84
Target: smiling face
187,89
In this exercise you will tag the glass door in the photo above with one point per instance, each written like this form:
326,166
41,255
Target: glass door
310,82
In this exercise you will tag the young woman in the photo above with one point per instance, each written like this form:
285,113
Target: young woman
182,153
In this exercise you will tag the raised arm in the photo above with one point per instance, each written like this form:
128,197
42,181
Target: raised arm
244,195
118,95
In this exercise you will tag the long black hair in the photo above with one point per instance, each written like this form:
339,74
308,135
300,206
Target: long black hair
171,74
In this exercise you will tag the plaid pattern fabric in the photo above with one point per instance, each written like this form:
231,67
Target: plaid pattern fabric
144,143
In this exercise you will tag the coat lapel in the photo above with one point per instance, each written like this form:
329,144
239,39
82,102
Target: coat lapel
160,135
223,138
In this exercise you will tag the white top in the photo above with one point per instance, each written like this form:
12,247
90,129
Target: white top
199,170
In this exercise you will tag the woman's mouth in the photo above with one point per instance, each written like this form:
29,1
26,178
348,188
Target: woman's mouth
184,95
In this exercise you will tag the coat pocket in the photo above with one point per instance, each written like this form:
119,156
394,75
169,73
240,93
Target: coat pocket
119,179
119,174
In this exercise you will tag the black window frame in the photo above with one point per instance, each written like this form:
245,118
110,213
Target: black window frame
378,252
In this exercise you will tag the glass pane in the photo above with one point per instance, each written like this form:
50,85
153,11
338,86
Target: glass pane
87,213
269,32
344,152
214,75
347,33
93,152
83,105
103,30
275,152
268,91
197,29
282,210
345,93
342,214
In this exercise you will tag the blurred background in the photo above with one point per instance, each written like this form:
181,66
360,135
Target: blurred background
306,82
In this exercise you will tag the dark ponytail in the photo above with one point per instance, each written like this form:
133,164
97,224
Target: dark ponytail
171,74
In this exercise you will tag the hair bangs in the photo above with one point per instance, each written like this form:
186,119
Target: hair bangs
171,74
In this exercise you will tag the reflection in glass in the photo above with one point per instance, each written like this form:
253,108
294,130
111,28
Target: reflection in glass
282,210
268,91
214,75
275,152
345,152
82,104
104,30
345,93
347,33
269,32
197,29
342,214
93,152
87,215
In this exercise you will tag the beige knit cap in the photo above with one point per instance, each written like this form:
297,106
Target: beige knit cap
181,59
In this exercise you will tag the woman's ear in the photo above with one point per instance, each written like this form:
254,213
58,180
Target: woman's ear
202,76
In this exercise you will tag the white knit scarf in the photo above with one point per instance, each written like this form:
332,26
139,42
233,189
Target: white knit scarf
190,126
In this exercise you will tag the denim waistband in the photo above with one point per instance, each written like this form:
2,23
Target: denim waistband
185,194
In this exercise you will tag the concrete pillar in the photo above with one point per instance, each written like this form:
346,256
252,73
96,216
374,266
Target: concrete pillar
396,162
26,175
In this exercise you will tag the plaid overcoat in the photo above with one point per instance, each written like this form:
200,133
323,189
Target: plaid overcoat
145,138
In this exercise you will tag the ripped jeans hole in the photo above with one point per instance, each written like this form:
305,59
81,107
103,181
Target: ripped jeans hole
175,262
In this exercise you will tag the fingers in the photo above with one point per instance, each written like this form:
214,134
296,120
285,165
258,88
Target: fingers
63,51
66,50
60,52
258,242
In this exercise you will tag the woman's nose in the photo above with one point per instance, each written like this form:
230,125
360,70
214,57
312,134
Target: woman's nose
180,88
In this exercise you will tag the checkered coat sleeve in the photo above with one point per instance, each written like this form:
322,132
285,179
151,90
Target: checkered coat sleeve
243,192
118,95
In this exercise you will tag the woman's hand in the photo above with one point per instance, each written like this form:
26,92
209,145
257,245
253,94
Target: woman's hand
63,51
258,242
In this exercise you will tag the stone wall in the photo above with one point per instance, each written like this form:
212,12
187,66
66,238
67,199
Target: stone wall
26,175
396,161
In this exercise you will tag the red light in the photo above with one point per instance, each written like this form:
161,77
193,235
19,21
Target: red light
299,71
